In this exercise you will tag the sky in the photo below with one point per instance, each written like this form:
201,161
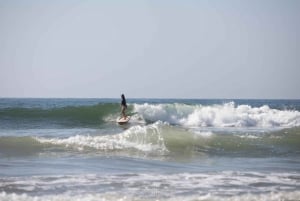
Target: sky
150,49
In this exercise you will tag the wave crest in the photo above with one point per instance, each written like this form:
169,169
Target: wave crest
146,139
225,115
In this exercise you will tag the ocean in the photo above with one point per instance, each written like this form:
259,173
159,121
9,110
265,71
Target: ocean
171,149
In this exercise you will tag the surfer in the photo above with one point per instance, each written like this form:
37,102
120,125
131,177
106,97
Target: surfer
123,106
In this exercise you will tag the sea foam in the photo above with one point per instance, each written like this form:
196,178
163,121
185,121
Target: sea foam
146,139
152,186
223,115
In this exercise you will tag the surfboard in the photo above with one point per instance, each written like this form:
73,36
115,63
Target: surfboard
123,120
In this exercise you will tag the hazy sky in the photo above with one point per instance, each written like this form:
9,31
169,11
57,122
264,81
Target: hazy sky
150,49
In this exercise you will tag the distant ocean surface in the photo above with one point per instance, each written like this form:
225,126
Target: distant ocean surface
172,149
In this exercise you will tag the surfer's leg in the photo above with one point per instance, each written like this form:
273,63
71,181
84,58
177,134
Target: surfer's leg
123,112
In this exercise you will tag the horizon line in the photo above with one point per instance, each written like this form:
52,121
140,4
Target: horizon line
149,98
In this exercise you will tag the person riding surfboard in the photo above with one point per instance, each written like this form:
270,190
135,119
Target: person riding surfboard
123,106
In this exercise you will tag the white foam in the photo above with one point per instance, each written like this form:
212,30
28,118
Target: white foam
203,133
273,196
142,138
183,186
225,115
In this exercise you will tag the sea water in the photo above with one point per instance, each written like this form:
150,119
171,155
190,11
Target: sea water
172,149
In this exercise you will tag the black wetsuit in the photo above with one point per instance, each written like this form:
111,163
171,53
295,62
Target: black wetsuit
123,103
124,107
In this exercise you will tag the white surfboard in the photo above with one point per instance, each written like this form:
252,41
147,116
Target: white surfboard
123,120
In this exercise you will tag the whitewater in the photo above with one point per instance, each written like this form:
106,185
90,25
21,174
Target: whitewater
225,115
172,149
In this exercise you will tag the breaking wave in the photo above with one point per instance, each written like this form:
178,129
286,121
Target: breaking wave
161,140
223,115
187,115
147,139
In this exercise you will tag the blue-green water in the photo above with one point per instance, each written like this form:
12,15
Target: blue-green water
172,149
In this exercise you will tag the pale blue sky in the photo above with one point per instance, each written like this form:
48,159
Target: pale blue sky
150,49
